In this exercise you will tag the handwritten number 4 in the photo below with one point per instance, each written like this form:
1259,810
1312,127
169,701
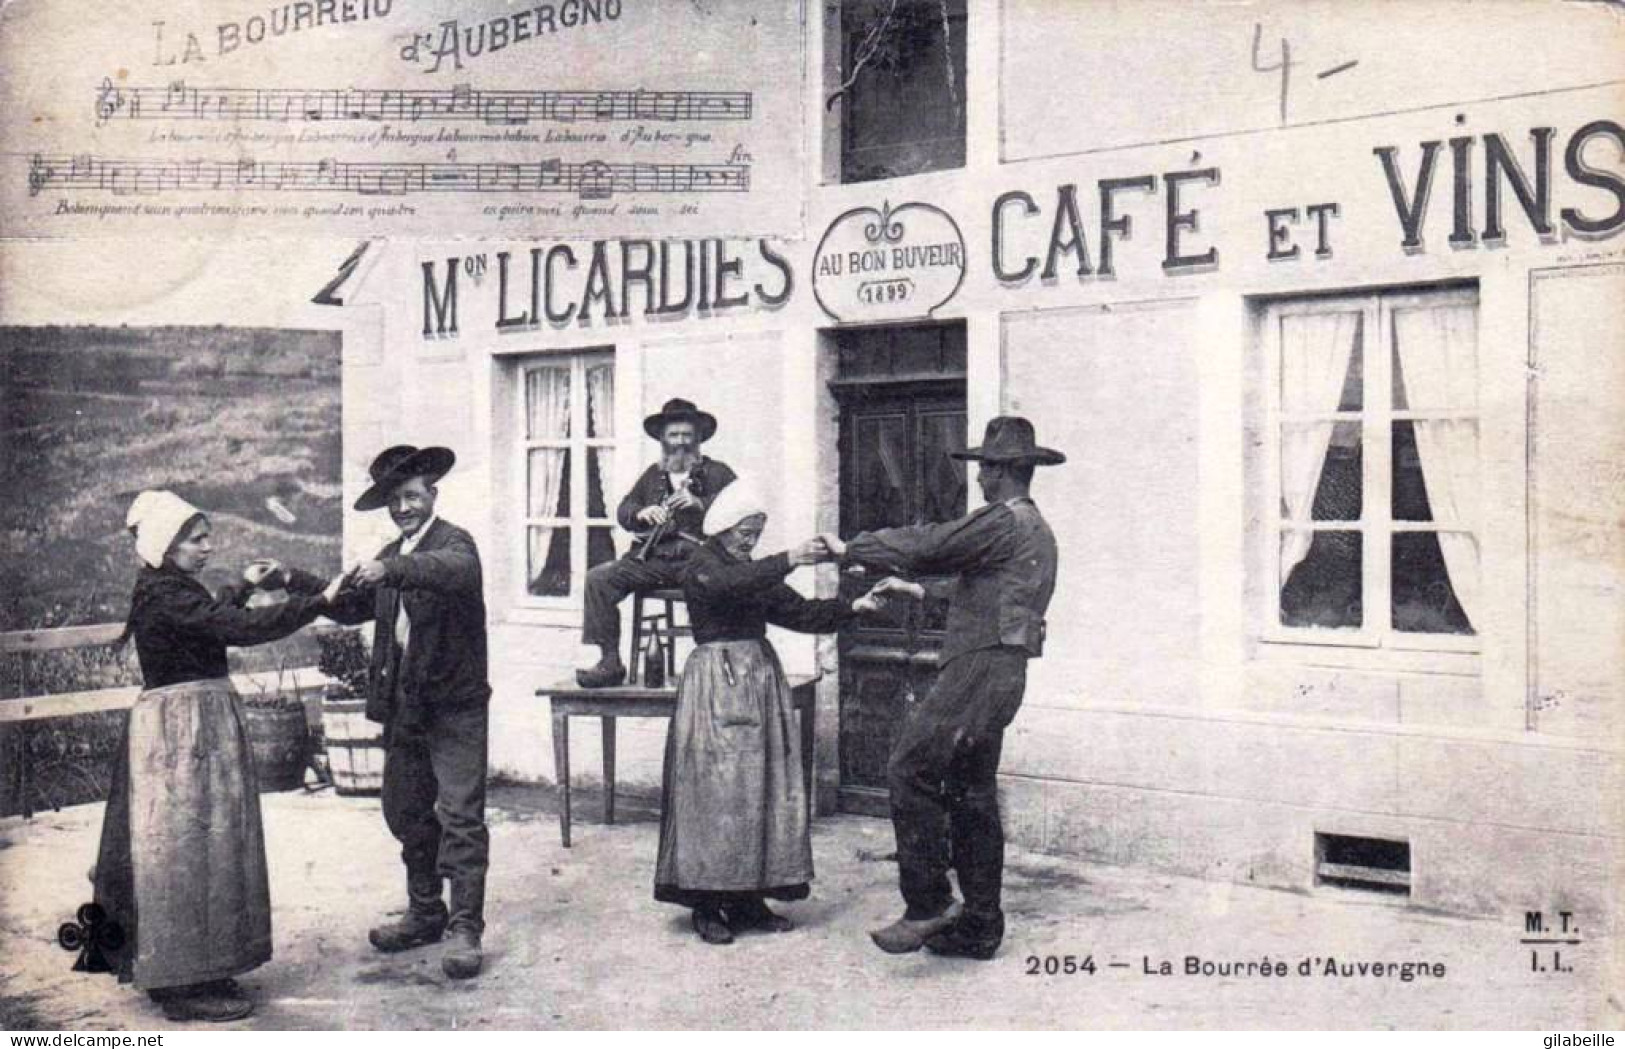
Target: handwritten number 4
1285,66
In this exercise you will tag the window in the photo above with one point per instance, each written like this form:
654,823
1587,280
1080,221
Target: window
1373,470
901,88
567,419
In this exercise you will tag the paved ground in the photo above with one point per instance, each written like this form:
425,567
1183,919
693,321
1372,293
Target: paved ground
575,941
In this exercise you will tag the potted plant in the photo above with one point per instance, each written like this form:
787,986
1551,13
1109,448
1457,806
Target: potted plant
354,746
343,661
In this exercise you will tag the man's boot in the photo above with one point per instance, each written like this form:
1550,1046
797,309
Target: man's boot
608,672
463,957
414,930
969,937
425,920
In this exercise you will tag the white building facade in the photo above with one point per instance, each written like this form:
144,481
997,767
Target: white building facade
1323,306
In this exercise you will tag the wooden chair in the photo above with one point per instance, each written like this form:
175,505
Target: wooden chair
659,620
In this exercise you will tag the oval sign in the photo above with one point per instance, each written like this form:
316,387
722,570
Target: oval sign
888,263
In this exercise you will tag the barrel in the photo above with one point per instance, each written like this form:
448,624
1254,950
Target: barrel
280,744
355,747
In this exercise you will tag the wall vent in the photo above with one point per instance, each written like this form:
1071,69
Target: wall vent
1367,864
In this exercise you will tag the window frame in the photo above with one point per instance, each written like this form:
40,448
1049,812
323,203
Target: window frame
578,445
1376,524
839,45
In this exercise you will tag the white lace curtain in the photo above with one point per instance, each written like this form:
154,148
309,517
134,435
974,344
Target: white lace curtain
600,423
1315,352
1438,354
601,400
547,417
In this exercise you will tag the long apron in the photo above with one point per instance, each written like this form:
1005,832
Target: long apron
182,862
734,817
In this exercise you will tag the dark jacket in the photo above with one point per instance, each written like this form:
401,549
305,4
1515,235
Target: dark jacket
730,599
444,666
181,631
1005,559
705,480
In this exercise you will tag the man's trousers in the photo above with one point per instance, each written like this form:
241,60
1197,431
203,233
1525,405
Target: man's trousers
607,586
944,799
434,804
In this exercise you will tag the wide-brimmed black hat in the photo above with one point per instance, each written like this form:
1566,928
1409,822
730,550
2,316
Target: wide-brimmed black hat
402,463
679,410
1010,439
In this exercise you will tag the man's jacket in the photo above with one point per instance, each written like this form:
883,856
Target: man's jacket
444,665
707,478
1004,558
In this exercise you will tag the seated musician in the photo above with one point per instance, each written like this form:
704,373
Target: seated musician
666,508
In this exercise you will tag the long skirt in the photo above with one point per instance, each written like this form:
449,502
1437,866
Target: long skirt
182,863
734,815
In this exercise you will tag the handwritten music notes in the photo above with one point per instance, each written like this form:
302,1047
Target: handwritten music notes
590,180
177,101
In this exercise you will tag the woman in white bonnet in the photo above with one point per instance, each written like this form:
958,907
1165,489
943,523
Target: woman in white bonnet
181,871
733,829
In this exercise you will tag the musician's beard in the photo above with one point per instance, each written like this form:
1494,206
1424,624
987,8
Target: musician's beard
679,461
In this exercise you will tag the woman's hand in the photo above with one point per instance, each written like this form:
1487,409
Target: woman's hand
810,552
833,544
266,573
891,586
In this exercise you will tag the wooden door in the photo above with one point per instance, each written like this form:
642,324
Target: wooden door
895,470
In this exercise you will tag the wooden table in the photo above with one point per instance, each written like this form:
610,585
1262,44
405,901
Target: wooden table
567,699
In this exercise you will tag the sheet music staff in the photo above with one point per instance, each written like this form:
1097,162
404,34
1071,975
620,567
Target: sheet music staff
177,101
592,179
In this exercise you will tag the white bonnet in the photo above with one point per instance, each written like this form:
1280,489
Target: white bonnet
732,505
156,517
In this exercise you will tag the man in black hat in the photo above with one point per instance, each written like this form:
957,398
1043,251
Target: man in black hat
944,799
428,686
666,508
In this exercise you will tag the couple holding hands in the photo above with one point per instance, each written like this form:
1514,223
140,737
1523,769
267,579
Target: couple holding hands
734,830
181,871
